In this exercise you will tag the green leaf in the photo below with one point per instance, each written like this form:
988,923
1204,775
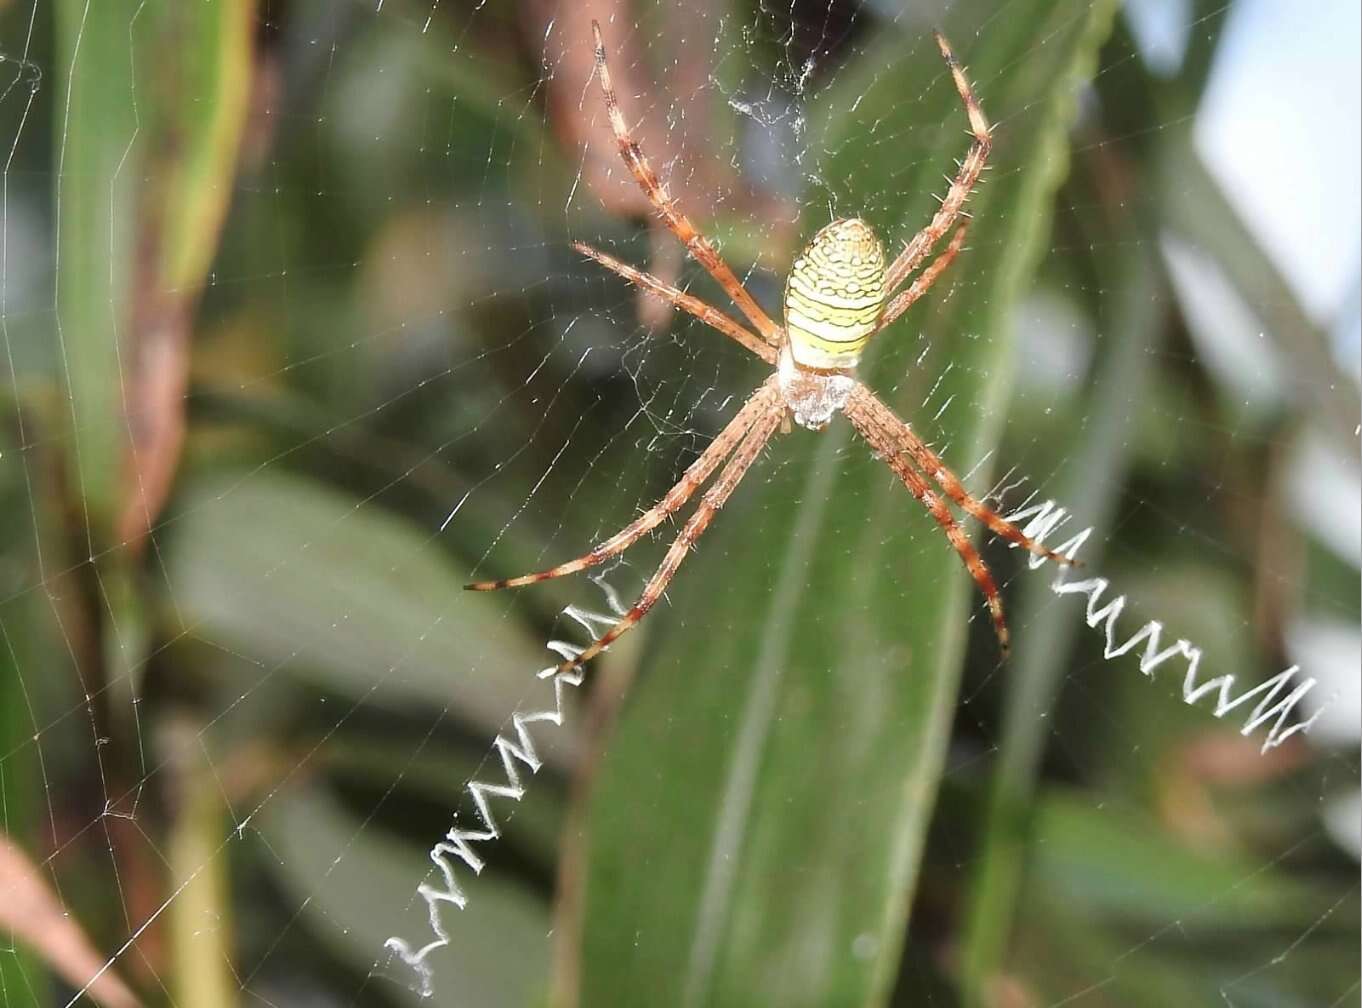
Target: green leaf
199,919
756,827
21,793
1106,862
292,573
437,777
1096,458
146,155
201,100
351,879
96,239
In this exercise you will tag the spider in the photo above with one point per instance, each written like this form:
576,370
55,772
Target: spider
839,293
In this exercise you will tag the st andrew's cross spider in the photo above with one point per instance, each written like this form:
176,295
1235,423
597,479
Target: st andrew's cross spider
839,293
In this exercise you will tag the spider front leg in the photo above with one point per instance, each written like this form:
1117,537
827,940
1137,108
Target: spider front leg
714,499
697,244
965,180
757,406
870,427
925,279
706,313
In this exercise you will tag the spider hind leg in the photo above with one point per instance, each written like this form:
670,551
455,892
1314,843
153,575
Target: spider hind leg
906,441
871,426
761,402
714,499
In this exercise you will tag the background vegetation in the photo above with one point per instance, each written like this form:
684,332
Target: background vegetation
283,284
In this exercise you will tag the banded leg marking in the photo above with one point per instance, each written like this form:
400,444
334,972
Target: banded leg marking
925,279
965,179
931,464
698,245
714,499
764,399
870,428
680,299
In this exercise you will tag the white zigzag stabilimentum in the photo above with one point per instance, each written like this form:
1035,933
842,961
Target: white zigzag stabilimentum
457,844
1040,521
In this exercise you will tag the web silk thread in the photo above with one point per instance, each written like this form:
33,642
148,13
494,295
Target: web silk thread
1043,520
458,844
1037,521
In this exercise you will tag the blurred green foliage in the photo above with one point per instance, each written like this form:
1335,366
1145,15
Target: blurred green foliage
308,290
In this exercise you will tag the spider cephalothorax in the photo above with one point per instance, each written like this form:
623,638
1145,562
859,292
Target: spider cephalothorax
839,294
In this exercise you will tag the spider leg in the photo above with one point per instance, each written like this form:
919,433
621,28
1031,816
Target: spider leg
965,180
881,440
753,411
698,245
931,464
713,499
680,299
925,279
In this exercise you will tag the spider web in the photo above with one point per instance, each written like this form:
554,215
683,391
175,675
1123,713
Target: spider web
377,370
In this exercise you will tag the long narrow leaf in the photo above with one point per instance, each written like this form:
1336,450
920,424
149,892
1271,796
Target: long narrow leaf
756,828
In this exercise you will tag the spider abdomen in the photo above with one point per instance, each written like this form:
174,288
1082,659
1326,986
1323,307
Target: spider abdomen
834,295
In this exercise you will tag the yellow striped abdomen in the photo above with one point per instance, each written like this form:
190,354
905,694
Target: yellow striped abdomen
834,295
